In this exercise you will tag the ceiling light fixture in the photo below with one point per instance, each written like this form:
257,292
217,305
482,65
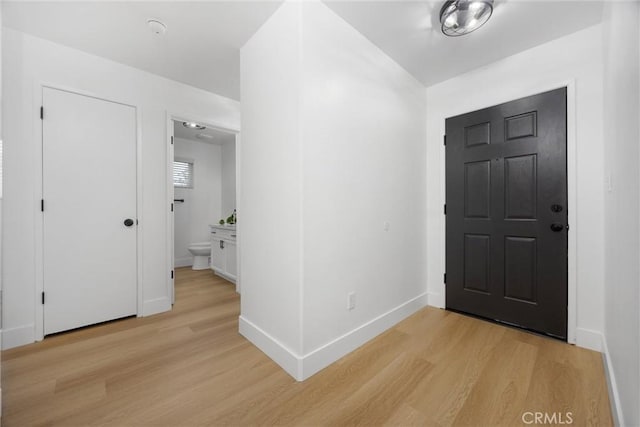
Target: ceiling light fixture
193,125
460,17
158,28
205,136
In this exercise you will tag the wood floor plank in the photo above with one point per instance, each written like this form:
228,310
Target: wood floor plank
501,390
191,367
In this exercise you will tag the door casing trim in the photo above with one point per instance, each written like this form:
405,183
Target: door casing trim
39,87
572,188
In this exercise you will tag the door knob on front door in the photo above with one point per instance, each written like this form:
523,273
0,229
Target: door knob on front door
556,227
128,222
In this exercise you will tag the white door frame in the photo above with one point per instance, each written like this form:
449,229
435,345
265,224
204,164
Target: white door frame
572,190
212,124
39,87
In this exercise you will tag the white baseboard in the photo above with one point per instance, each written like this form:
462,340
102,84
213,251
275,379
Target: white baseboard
302,367
270,346
614,397
436,300
225,276
155,306
23,335
587,338
327,354
15,337
183,262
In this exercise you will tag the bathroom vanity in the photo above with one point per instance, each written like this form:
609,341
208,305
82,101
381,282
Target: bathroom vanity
224,260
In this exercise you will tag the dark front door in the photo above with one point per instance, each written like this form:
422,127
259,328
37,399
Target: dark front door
506,213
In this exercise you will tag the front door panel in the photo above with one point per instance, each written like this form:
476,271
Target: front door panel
506,174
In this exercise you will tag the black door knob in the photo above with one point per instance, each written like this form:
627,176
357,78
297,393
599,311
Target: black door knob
128,222
556,227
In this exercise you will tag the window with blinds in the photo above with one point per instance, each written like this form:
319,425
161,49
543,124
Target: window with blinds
182,174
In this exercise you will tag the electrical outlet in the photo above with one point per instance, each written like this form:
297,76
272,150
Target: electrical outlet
386,225
351,301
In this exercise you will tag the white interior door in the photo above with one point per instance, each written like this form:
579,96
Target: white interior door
89,191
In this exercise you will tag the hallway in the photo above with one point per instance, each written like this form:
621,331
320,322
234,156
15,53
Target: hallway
190,366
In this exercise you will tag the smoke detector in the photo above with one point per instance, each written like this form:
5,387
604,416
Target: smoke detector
158,27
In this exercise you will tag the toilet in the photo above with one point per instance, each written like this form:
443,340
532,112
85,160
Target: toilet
201,253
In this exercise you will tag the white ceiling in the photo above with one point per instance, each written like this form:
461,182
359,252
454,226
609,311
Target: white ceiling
218,137
409,32
201,46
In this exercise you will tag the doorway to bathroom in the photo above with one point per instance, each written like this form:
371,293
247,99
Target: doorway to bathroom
203,196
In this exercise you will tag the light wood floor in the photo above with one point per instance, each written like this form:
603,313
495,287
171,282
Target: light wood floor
191,367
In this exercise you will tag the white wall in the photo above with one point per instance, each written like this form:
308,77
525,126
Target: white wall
202,203
363,140
348,126
1,186
622,199
577,58
270,180
28,61
228,178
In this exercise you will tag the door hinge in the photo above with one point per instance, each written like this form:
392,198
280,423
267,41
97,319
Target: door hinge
445,277
41,113
42,298
41,205
172,274
445,208
171,139
444,137
171,207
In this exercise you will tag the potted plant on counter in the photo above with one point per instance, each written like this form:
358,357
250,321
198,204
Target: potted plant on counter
231,219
